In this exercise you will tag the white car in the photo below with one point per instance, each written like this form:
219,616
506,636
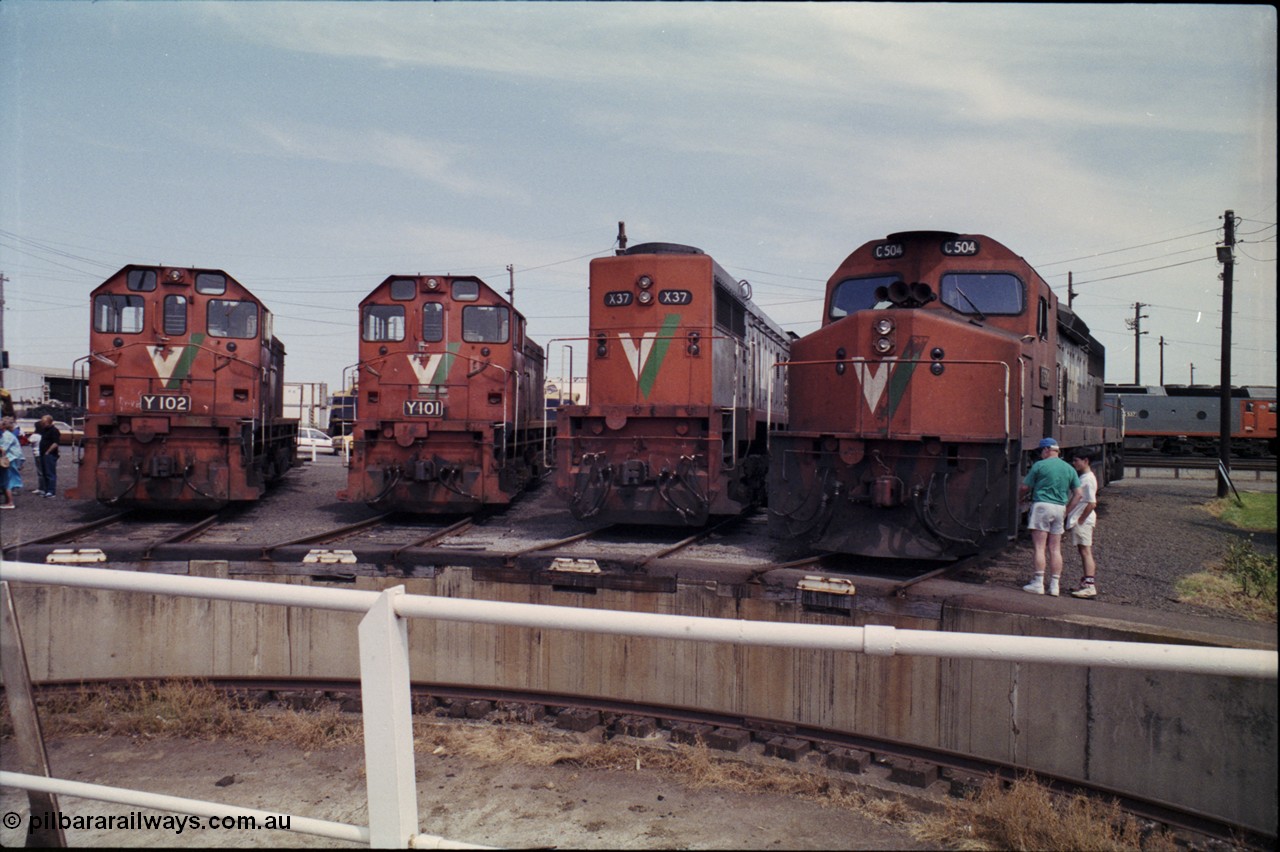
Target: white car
314,440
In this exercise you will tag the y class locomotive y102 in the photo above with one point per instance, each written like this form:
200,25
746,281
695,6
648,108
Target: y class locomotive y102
681,393
185,392
916,408
449,398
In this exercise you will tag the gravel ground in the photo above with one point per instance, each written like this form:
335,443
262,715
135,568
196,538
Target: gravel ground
1151,532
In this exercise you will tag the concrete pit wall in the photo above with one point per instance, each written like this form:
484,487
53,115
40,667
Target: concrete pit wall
1207,743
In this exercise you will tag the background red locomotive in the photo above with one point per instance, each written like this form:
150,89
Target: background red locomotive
917,407
681,392
449,412
185,392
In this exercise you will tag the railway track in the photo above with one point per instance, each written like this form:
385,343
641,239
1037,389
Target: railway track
885,766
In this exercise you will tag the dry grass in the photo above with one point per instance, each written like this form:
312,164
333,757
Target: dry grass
189,710
1027,816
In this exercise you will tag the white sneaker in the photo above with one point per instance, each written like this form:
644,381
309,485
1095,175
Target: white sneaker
1085,592
1035,587
38,493
1053,587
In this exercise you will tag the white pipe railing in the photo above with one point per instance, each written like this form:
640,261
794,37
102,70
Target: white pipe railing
384,661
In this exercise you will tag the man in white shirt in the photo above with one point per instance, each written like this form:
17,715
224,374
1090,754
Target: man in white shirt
1082,520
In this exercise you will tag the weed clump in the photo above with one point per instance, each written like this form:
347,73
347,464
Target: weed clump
1027,816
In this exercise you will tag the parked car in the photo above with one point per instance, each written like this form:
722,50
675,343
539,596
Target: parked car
27,425
314,440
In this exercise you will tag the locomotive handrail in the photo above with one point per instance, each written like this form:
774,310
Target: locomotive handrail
1008,426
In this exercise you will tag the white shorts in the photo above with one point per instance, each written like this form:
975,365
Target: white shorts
1081,535
1048,517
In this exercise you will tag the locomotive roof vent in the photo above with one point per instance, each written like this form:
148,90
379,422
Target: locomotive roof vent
663,248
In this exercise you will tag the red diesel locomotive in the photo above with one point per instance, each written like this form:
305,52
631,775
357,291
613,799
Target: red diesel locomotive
681,393
449,398
185,392
917,407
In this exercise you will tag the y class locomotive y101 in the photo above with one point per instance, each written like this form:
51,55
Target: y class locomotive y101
681,393
185,392
449,398
916,408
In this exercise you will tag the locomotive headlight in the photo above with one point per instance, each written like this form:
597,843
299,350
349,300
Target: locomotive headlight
937,354
231,347
602,348
645,297
433,284
644,282
882,326
883,346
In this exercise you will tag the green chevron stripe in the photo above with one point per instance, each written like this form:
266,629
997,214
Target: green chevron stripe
658,354
183,368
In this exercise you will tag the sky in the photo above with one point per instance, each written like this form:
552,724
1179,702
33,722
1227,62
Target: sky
312,149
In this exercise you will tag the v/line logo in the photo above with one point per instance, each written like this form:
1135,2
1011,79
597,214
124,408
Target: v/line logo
646,353
173,363
433,369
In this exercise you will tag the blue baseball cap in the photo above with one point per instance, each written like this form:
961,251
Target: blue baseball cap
1046,443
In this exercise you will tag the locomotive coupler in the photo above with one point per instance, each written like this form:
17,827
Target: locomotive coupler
633,472
886,492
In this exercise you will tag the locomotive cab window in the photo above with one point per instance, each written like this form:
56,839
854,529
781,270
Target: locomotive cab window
117,314
982,292
211,283
227,318
383,322
432,322
859,294
466,290
485,324
175,314
404,289
141,280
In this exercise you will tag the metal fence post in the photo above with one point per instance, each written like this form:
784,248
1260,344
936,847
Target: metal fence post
388,724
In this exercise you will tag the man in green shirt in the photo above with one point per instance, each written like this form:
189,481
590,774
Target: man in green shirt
1054,488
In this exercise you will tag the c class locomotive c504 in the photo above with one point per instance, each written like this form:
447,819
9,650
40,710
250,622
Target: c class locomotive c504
185,392
916,408
681,393
449,398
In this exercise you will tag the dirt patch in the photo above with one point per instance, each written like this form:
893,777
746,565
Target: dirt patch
459,798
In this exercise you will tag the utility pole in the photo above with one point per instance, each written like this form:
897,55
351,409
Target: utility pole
1162,360
511,284
1193,372
4,353
622,238
1071,290
1136,325
1227,257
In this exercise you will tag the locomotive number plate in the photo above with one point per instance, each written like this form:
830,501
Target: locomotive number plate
675,297
961,248
423,408
166,402
618,298
888,251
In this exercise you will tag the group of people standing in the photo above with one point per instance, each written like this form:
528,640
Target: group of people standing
12,459
1064,500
